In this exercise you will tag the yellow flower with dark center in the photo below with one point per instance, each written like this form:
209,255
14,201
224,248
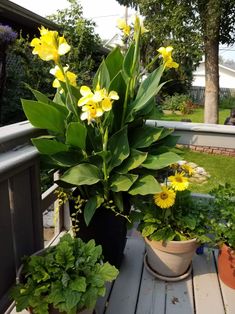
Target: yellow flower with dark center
167,57
90,112
124,27
179,182
188,169
60,76
165,198
49,46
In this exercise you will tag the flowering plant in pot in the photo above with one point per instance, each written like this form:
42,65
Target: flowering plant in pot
223,228
66,278
97,135
173,225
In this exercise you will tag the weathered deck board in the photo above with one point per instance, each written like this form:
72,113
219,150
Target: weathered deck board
206,285
228,293
179,297
124,294
152,295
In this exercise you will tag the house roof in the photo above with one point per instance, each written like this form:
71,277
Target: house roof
20,18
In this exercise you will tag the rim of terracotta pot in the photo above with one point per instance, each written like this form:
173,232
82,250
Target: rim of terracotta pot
172,246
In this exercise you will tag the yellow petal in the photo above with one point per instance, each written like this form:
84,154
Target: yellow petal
121,23
106,104
84,100
85,90
56,83
63,49
98,96
113,95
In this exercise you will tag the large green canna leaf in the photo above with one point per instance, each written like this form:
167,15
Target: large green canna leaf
44,116
82,174
119,146
102,76
68,159
48,145
160,161
92,204
76,135
128,60
114,62
122,182
145,185
145,136
135,159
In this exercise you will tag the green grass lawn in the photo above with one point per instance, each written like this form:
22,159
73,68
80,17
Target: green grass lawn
220,168
196,116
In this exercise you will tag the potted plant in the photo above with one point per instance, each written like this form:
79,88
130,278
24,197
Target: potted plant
173,225
96,135
223,227
66,278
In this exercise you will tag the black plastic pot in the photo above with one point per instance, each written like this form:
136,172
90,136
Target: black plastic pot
108,230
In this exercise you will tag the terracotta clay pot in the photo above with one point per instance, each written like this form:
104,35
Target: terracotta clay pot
226,265
171,259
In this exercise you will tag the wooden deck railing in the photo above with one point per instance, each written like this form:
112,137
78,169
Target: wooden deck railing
21,202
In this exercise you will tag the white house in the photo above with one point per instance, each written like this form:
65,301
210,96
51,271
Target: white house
226,76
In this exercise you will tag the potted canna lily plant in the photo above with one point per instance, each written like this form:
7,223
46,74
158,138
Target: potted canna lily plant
173,225
96,135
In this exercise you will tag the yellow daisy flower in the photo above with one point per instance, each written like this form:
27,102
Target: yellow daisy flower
179,182
165,198
188,169
49,46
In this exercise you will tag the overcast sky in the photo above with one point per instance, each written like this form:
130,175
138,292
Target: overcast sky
103,12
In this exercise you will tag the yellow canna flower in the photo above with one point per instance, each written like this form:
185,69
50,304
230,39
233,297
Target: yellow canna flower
167,58
60,76
165,198
179,182
138,23
122,25
91,112
49,46
107,102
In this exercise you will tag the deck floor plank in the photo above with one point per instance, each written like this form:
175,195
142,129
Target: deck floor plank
179,297
125,290
227,293
207,292
151,297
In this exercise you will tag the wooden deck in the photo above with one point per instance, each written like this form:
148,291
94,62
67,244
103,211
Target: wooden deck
137,292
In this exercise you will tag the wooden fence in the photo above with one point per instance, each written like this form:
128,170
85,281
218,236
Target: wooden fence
197,93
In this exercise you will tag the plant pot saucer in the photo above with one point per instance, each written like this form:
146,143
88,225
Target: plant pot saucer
165,278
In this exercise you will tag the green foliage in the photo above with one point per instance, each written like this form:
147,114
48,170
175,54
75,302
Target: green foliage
223,214
227,102
69,276
187,219
180,102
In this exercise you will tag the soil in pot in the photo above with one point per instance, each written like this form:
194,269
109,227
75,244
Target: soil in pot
170,259
226,265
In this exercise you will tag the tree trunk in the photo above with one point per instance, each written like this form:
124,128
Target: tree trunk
210,15
211,81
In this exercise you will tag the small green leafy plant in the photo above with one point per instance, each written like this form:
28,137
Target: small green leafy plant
69,277
177,102
223,215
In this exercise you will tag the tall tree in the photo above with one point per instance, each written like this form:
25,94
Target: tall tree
210,21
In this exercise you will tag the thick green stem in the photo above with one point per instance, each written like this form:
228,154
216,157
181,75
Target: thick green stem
104,134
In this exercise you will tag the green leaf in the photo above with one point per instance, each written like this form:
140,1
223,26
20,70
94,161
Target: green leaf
64,255
160,161
92,204
76,135
135,159
164,234
78,284
67,159
108,272
122,182
128,60
148,230
114,62
102,76
119,146
145,185
48,145
145,136
82,174
44,116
